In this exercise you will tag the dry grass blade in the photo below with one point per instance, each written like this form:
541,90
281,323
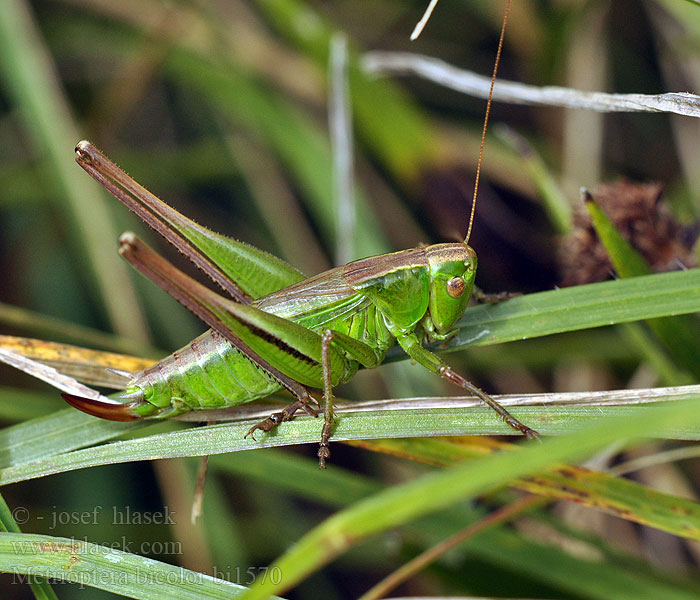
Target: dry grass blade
420,562
420,26
94,367
467,82
49,375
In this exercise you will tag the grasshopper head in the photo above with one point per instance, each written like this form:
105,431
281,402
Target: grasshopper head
452,272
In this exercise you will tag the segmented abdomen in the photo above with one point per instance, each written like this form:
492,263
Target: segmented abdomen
208,373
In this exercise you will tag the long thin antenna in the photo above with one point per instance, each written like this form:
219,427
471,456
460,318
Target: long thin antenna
486,119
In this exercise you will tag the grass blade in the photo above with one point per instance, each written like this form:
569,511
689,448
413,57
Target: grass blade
679,335
38,456
580,307
614,495
405,502
108,569
40,587
531,560
33,83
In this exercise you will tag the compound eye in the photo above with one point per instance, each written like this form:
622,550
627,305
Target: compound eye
455,287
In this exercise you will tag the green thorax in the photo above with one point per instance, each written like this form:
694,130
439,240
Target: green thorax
422,288
375,299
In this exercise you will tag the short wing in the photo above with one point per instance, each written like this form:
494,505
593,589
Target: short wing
316,301
287,351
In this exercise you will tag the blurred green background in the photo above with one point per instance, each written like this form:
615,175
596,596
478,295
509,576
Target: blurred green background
221,109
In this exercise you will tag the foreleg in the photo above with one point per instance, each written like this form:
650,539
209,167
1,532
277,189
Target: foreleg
430,361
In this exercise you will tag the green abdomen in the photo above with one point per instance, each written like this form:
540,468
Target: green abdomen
210,373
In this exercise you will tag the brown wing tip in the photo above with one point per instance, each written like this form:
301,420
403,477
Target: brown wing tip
101,409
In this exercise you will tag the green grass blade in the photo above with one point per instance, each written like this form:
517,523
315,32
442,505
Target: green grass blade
595,579
580,307
350,425
70,429
40,587
107,569
386,117
614,495
679,335
33,85
627,261
408,501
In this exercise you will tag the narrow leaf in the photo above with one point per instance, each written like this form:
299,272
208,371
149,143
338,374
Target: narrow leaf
614,495
40,587
107,569
680,335
580,307
408,501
